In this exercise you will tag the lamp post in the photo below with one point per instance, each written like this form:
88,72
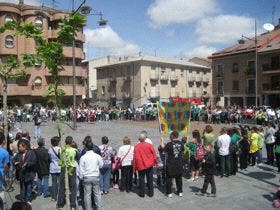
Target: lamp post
241,41
85,10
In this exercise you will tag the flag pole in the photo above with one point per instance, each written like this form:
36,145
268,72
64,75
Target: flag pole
158,118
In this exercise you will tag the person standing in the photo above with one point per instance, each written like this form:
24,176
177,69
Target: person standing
208,137
145,159
269,143
254,145
54,167
105,172
260,146
277,147
209,171
43,168
4,161
37,124
90,165
243,150
223,144
174,163
125,154
235,137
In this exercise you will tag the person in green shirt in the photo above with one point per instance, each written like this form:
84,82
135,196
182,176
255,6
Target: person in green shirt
234,138
208,136
260,145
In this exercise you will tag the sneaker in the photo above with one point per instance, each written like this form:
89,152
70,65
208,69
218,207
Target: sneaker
180,194
169,195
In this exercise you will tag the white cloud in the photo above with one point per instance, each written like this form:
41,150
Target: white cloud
170,33
28,2
202,51
224,28
106,39
165,12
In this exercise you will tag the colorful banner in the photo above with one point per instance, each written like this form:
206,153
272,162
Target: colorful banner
174,116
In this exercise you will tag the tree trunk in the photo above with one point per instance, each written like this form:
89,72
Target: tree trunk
5,112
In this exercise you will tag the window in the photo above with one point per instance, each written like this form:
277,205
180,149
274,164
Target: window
38,82
38,22
235,85
275,62
220,87
251,86
9,41
103,90
8,18
251,67
219,70
235,68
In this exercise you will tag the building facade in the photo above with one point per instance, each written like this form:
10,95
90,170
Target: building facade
136,81
31,88
234,72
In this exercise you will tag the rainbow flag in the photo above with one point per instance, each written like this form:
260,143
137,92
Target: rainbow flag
174,116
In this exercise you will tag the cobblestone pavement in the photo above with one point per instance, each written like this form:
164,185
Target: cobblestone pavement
250,189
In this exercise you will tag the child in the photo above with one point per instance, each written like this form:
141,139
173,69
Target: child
115,170
25,162
209,170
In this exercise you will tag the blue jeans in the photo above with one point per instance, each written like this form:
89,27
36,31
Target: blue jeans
25,191
91,184
55,184
259,155
43,185
37,133
105,174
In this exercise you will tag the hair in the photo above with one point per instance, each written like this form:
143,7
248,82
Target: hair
18,136
174,135
74,145
223,130
25,133
184,139
208,129
23,143
104,140
208,145
234,130
41,142
87,139
145,133
255,129
55,141
89,145
196,135
2,138
68,140
18,205
126,140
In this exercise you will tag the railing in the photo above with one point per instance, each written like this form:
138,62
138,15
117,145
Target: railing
163,77
270,67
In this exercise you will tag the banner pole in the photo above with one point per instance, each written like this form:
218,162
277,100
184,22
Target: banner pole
158,117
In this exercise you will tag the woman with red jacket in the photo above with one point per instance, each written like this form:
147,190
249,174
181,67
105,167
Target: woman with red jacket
144,160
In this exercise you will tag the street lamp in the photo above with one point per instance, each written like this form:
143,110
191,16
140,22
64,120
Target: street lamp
242,41
84,10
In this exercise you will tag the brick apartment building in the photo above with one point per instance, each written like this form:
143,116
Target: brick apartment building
234,73
31,88
133,81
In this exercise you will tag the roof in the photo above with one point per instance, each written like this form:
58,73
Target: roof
265,42
156,60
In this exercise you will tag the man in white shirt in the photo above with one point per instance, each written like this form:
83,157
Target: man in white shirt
223,143
147,140
90,164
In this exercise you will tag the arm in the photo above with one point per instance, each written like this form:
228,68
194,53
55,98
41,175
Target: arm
100,161
82,167
162,143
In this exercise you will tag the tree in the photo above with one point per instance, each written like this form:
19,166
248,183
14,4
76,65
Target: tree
14,67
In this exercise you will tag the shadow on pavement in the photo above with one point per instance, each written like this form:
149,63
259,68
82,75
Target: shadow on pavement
265,168
270,197
194,189
261,176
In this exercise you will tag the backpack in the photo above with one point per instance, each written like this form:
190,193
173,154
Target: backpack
199,152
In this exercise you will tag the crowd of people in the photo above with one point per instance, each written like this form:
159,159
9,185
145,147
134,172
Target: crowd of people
94,170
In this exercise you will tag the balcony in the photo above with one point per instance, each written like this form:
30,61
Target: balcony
67,51
53,34
164,77
153,75
270,69
68,71
271,88
173,77
154,93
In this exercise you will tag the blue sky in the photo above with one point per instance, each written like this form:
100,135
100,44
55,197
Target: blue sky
171,28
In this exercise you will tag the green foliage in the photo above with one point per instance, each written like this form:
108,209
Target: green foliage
69,27
12,69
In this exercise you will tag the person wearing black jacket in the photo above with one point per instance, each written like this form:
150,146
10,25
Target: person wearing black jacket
277,147
43,168
243,150
209,170
25,162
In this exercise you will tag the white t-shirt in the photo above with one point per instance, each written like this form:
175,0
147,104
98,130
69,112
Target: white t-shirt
223,144
147,140
127,161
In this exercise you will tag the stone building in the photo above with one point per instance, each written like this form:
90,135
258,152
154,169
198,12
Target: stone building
31,88
133,81
234,73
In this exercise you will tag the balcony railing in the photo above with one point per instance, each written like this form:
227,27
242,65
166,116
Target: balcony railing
153,75
164,77
191,79
271,86
270,67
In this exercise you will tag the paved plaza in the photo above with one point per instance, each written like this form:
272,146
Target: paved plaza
251,189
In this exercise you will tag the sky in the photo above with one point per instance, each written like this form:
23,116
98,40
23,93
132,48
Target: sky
178,29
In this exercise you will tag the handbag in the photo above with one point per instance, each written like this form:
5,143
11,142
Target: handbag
119,161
